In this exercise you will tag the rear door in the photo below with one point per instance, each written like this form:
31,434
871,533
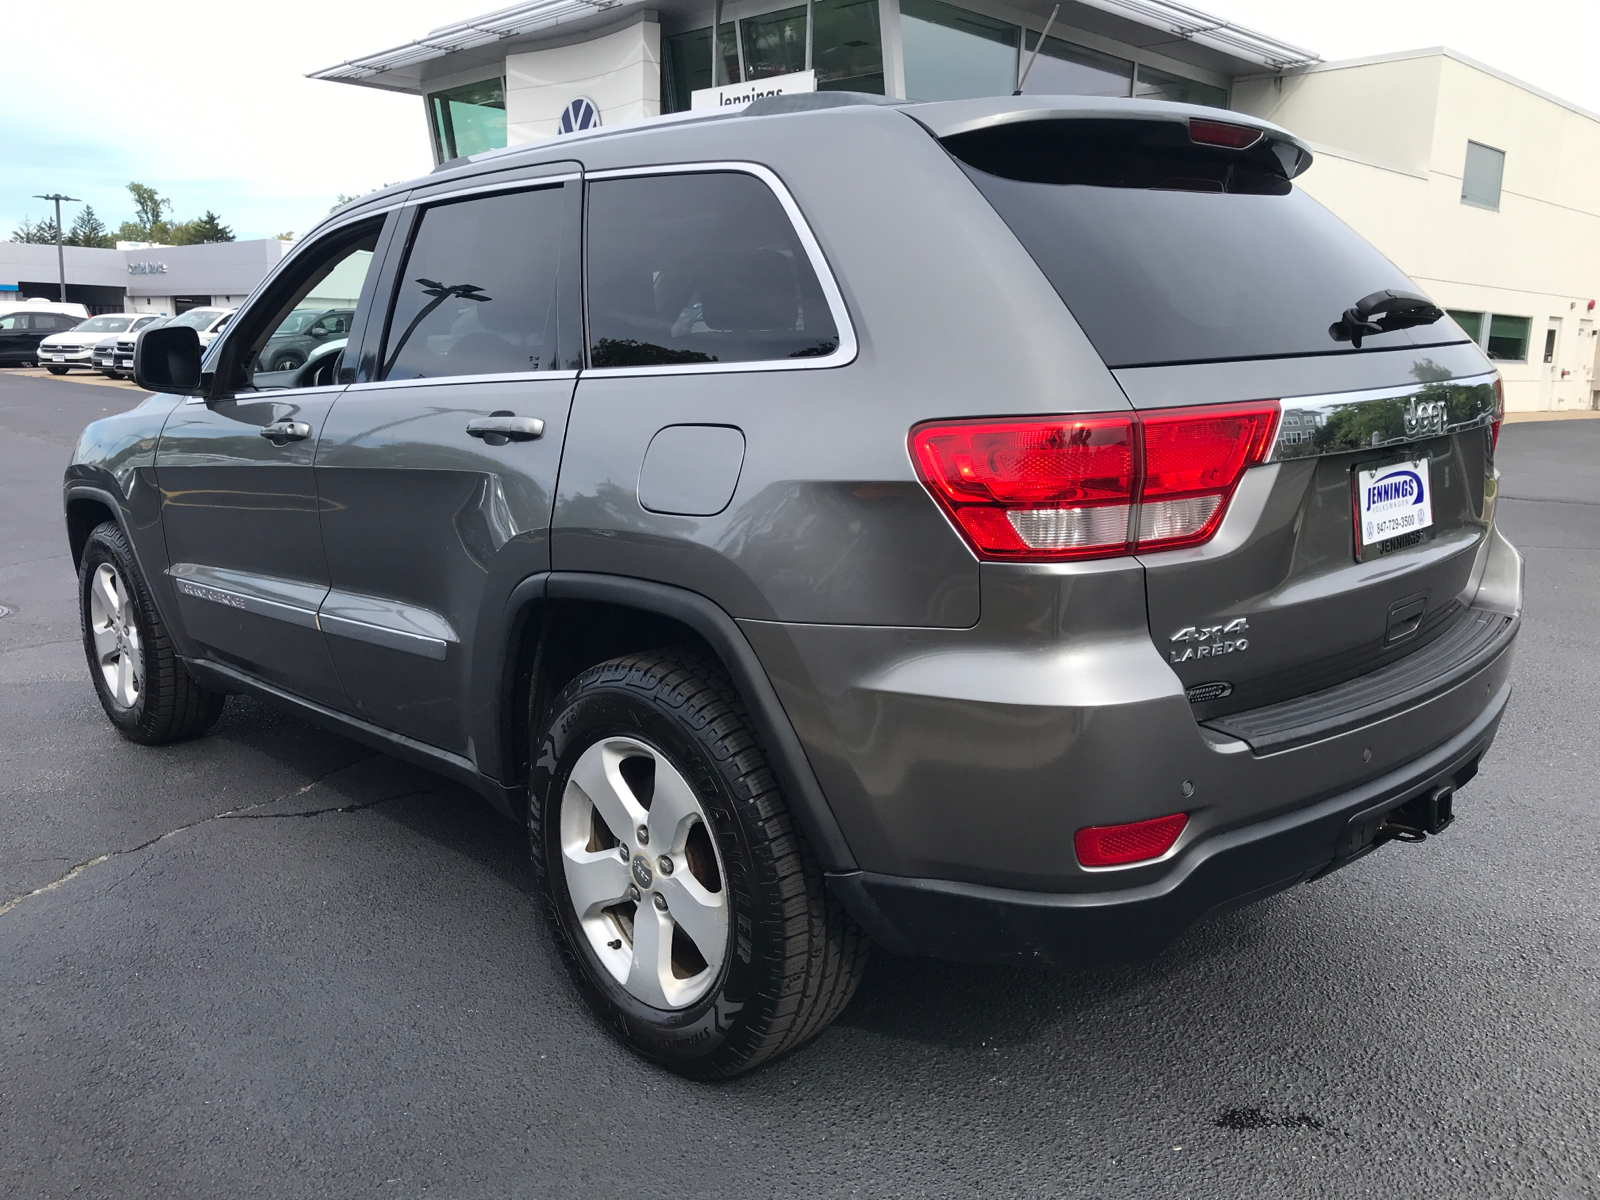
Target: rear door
1203,276
437,470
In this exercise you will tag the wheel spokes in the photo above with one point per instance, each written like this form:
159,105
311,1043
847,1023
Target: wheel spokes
673,810
596,880
124,690
701,915
104,591
650,972
599,777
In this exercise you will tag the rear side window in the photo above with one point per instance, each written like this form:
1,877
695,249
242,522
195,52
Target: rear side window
477,294
1167,251
699,268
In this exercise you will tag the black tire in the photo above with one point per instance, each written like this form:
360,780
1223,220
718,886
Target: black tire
58,370
794,956
171,706
288,362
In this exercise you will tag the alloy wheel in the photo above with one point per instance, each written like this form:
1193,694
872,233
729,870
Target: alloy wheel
644,874
116,636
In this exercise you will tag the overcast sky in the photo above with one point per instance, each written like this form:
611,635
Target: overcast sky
207,100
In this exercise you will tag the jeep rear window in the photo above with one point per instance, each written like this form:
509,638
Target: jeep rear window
1166,251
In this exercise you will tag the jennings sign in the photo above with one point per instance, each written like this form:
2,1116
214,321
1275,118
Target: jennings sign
738,95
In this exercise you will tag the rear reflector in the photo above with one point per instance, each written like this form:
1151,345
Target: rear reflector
1066,487
1223,133
1119,845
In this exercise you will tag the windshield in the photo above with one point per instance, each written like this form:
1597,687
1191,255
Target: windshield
1170,254
104,325
196,318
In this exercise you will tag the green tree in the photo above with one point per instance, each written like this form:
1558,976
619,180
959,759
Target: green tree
286,236
150,221
36,232
207,228
89,230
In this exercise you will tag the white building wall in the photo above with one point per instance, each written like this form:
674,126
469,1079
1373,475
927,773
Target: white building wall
620,72
1396,178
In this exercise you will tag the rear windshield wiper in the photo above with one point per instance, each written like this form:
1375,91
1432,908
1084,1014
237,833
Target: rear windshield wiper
1383,312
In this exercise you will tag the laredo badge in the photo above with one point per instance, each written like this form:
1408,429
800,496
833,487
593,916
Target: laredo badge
1209,641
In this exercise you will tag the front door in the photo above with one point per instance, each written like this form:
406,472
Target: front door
239,497
436,476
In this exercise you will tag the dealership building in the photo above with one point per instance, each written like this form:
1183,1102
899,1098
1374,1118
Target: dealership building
155,279
1482,188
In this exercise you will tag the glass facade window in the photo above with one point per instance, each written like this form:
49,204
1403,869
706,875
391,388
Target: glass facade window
1063,69
954,54
1508,338
686,64
1151,84
774,43
847,51
1481,175
469,119
847,46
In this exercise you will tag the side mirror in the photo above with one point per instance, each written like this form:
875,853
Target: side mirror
168,360
318,331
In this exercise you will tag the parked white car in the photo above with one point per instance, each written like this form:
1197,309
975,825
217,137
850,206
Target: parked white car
60,352
207,322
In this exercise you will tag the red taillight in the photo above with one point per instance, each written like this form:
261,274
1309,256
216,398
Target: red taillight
1033,489
1119,845
1223,133
1192,459
1065,487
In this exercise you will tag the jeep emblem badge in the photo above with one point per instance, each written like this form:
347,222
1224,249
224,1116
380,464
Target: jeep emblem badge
642,874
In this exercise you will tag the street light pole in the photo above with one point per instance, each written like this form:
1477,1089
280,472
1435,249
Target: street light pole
61,255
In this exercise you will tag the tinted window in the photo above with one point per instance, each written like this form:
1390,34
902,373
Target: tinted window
477,295
699,268
1178,253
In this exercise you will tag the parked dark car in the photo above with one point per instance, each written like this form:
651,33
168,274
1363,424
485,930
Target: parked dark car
21,332
300,334
844,521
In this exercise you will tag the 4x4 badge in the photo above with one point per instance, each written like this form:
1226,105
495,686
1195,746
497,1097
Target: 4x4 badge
1209,641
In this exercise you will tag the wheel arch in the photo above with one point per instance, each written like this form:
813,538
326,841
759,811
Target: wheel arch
87,509
559,624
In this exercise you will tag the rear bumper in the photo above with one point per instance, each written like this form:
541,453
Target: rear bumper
1227,869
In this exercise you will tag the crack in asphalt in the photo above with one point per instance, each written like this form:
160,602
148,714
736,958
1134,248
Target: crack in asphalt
243,812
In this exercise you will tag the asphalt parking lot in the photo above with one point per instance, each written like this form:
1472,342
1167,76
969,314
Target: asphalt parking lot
272,963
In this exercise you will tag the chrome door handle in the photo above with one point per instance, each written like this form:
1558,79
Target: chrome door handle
499,428
287,431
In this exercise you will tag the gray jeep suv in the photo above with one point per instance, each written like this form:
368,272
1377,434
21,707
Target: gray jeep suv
1003,530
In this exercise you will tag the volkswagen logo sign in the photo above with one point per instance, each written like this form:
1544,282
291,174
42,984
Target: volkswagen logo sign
580,114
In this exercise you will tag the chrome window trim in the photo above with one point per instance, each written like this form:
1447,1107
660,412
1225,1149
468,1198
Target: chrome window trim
528,184
1475,403
848,346
258,394
433,380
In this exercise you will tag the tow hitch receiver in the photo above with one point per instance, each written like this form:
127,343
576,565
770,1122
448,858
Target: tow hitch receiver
1412,821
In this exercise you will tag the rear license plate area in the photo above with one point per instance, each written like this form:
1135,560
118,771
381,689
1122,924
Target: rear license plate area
1393,506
